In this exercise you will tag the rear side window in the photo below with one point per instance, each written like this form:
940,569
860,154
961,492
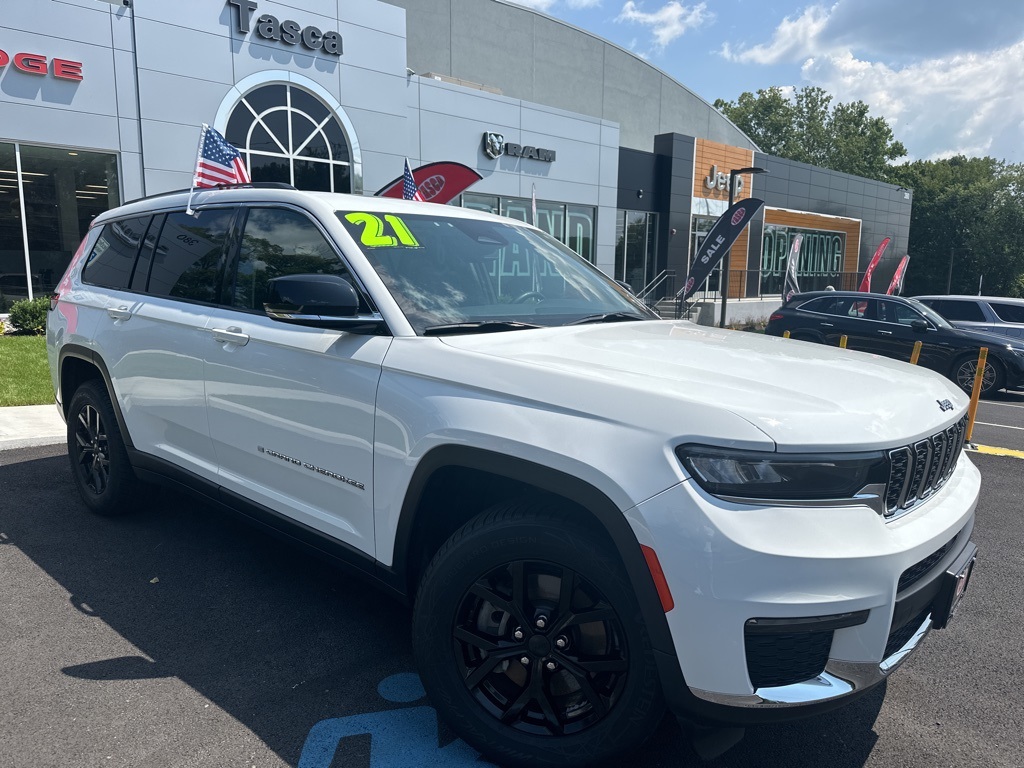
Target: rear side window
189,259
277,242
968,311
1009,313
112,259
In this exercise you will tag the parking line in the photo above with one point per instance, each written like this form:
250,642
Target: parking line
1003,426
997,451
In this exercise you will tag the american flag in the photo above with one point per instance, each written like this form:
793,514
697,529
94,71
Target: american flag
409,189
218,161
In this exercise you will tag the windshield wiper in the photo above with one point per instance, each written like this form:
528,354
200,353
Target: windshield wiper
609,317
481,326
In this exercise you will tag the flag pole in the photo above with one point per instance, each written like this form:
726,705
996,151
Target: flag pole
195,171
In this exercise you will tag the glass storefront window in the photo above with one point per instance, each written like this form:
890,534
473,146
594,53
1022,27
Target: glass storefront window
64,190
699,229
636,248
820,261
573,225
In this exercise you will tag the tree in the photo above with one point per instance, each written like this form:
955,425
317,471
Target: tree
808,129
967,224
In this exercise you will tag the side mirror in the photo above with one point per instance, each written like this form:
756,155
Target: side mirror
627,286
919,325
318,301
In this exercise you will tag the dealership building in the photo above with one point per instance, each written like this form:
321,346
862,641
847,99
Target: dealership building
102,102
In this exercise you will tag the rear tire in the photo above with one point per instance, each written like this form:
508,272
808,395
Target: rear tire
99,461
504,654
992,380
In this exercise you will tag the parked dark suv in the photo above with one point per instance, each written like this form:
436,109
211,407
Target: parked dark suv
889,326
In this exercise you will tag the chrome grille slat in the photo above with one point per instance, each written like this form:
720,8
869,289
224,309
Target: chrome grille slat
919,470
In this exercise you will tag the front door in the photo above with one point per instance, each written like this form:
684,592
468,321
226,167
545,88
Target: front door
291,408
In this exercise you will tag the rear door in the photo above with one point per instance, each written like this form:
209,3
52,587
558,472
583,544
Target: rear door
291,408
152,330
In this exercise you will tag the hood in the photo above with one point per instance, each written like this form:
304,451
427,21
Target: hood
803,396
990,338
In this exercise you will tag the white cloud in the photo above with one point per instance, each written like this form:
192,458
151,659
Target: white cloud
669,22
939,100
577,4
939,107
793,40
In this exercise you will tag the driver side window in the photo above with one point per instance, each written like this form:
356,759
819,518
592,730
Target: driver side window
277,242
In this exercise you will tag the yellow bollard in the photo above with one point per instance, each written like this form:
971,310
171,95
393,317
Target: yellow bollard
842,341
916,353
979,374
785,334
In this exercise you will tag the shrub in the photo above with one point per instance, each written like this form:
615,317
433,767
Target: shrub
29,316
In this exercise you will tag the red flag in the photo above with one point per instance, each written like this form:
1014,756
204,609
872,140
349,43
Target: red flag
896,286
865,284
438,182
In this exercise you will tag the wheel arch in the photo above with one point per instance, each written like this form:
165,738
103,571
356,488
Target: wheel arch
76,365
424,525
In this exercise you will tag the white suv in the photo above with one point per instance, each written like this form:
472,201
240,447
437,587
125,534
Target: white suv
593,511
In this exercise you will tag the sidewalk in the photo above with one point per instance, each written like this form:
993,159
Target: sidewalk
27,426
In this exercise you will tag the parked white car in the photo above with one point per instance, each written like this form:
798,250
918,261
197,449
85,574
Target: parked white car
592,511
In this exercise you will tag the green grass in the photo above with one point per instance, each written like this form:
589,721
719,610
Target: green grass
24,372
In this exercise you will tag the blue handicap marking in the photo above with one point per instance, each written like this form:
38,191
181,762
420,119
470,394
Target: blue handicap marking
398,737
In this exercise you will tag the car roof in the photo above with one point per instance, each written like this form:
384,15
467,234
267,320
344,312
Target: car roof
968,297
202,198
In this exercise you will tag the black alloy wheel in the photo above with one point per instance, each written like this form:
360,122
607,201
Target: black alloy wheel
99,461
92,444
540,648
530,641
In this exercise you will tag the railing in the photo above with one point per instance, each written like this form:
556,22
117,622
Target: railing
662,286
752,283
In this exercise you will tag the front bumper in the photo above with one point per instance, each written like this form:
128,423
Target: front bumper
731,564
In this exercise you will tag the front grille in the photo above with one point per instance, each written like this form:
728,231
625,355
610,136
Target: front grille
917,570
898,636
917,471
784,659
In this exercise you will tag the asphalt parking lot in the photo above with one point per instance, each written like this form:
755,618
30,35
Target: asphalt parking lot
182,637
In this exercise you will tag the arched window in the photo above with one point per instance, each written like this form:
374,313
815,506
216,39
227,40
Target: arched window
287,134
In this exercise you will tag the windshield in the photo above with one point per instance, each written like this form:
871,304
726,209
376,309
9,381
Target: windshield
930,313
463,274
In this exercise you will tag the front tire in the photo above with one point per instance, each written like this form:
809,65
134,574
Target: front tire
99,461
531,644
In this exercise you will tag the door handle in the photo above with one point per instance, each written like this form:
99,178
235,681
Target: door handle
827,325
232,335
121,313
886,333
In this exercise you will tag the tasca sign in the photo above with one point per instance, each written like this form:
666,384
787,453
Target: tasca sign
288,32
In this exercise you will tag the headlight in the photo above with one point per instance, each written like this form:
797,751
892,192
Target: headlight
784,477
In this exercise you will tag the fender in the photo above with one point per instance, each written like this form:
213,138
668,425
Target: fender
79,352
552,481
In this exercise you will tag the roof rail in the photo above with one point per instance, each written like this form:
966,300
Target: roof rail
196,190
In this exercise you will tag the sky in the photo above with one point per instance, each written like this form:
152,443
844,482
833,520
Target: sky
947,75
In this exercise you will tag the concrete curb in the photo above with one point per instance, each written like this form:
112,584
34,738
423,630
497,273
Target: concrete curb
30,426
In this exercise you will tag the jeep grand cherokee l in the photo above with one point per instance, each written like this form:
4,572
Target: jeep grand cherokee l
593,512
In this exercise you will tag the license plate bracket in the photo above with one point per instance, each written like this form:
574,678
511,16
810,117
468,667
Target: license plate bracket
954,585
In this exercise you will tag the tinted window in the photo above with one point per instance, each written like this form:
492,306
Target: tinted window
844,306
278,242
895,312
958,310
1009,313
189,260
112,258
825,305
